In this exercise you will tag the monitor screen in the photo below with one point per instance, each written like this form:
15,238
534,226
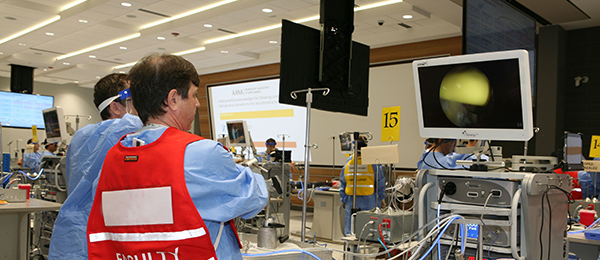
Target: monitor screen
573,152
483,96
256,102
237,132
23,110
279,154
54,120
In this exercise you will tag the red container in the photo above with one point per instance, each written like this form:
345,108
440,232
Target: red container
26,187
586,217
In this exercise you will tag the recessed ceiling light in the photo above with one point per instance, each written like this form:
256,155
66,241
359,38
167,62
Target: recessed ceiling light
160,38
66,63
126,4
267,10
92,56
123,48
224,52
122,72
207,25
50,34
76,81
45,69
97,77
83,21
273,42
407,16
1,53
22,44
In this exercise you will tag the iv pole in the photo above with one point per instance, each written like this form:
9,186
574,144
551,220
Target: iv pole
77,119
309,99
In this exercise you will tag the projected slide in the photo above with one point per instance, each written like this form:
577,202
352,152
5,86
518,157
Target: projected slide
257,103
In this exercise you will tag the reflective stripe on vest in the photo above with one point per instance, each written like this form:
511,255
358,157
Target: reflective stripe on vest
365,174
143,237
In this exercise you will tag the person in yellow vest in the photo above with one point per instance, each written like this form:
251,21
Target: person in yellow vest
370,190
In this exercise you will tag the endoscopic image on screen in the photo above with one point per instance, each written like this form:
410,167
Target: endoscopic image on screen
472,95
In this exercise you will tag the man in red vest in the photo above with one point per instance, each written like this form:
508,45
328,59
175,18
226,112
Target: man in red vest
164,193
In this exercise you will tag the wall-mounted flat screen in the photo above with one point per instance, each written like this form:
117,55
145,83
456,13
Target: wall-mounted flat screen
23,110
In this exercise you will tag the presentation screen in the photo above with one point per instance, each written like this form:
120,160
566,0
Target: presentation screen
257,103
23,110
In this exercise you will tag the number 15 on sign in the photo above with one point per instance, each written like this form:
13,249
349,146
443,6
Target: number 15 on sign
390,124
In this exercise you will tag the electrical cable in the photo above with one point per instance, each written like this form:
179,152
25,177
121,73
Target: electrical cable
35,178
282,251
542,228
549,224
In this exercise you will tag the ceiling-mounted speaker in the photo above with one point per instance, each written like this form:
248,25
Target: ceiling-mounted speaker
21,79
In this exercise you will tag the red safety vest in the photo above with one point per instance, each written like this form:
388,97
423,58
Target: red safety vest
142,209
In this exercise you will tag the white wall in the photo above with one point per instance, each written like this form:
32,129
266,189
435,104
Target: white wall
73,99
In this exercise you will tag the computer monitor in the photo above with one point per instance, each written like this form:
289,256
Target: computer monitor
237,132
56,128
573,152
279,154
485,96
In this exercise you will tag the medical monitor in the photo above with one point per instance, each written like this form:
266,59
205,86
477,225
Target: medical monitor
279,155
20,110
573,152
56,128
237,132
485,96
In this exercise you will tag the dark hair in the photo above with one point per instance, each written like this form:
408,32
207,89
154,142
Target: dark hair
154,76
271,140
29,141
107,87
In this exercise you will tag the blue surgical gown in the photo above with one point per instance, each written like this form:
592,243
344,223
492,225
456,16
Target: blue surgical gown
84,161
32,160
220,189
362,202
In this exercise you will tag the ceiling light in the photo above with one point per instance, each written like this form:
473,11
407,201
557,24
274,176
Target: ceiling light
273,42
66,63
83,21
35,27
308,19
74,3
50,34
267,10
195,11
207,25
1,53
160,38
95,47
92,56
123,48
45,69
76,81
181,53
407,16
224,52
22,44
126,4
124,66
97,77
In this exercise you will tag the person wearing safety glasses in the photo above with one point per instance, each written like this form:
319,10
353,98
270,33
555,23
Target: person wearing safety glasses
85,157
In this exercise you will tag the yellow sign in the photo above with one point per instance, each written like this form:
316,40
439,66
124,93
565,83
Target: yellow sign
34,134
595,147
390,124
591,166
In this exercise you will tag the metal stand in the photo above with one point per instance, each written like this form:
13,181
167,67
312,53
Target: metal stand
309,99
77,119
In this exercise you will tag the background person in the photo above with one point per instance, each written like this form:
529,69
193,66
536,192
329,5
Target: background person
50,148
32,160
270,144
209,188
370,190
84,160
